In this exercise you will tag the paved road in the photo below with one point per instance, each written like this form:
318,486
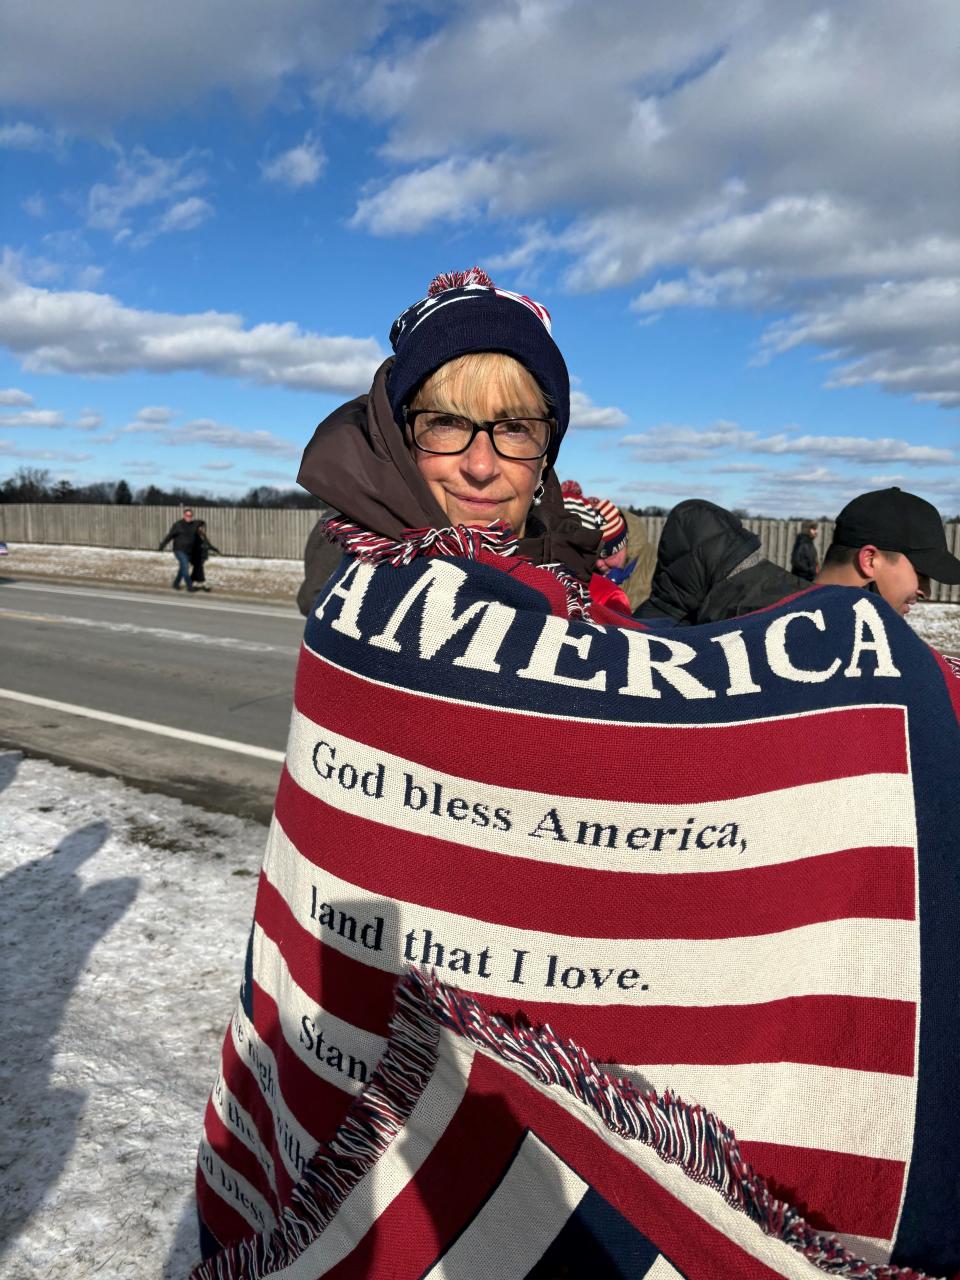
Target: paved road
184,663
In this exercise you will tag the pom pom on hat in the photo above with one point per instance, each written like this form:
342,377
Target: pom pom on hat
459,280
571,489
464,312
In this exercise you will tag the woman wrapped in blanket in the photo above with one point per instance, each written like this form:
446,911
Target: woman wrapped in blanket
449,457
650,845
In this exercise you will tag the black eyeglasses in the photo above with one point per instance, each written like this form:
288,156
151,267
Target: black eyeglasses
522,439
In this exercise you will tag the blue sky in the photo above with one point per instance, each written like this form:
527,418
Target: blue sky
742,218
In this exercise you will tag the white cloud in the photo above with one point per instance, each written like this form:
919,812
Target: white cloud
34,418
739,155
216,466
14,397
92,333
44,419
34,205
740,469
669,443
185,215
856,449
94,64
22,136
271,477
901,336
154,413
144,181
217,435
9,450
656,491
446,192
588,416
301,166
822,492
742,155
696,289
139,467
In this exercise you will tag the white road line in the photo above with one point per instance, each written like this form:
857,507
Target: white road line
145,726
158,633
263,611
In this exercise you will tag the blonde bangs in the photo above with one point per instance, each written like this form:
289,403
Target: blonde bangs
481,385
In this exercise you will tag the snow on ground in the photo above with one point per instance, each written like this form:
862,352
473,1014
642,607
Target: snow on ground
123,923
245,575
939,624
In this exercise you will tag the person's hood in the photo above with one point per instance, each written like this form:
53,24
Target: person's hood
358,463
700,546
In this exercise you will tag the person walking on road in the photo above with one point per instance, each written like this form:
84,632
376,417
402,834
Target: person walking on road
201,549
803,557
183,534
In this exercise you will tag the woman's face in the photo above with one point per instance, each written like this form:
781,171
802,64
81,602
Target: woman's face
478,486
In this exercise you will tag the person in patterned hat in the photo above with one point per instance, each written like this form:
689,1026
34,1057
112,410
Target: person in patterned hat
603,589
626,556
613,543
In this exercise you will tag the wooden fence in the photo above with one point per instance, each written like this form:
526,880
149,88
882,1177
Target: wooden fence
250,531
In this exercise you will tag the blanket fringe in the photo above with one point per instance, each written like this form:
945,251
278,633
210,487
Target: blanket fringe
678,1132
375,1118
579,602
468,542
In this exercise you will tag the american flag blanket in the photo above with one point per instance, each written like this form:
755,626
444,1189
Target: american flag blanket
725,865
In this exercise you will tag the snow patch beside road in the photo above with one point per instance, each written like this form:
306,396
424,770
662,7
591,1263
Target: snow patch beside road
245,575
938,624
123,924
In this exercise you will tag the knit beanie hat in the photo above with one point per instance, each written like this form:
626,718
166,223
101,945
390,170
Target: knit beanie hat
464,312
614,526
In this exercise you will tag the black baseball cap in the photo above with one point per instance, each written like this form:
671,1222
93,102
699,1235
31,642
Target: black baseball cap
896,521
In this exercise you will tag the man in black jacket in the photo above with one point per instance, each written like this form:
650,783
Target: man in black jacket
803,557
183,534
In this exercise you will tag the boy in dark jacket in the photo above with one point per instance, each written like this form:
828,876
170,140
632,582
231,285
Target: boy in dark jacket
803,557
201,549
